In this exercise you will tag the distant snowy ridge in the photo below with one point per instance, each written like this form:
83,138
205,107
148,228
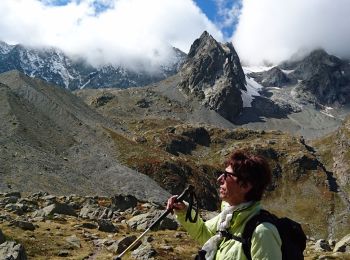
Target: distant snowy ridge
58,68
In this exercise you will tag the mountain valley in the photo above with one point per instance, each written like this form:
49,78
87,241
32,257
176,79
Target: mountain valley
152,141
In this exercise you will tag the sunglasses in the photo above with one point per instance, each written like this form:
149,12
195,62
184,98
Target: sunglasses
226,174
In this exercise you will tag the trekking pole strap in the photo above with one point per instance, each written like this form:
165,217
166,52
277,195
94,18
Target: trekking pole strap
192,198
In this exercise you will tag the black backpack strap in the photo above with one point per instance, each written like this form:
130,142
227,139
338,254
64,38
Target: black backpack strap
262,216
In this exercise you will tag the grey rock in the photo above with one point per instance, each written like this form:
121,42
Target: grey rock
17,208
143,221
89,211
74,241
343,245
322,245
145,252
10,250
56,208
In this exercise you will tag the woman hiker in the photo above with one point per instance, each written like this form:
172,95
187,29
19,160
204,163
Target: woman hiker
241,188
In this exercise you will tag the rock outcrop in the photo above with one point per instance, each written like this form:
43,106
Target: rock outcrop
274,77
213,75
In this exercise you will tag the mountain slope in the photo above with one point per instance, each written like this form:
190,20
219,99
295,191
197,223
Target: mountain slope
52,141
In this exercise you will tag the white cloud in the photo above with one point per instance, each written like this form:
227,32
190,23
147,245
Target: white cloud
273,30
129,32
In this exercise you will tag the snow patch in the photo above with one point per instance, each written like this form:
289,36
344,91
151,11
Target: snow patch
287,71
327,114
83,86
253,89
5,48
327,111
256,69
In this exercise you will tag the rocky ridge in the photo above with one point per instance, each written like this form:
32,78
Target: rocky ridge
213,74
319,78
76,227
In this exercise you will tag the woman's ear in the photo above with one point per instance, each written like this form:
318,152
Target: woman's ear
246,186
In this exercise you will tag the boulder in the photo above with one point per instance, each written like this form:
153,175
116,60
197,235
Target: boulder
11,250
74,241
56,208
143,221
120,245
145,252
106,226
121,202
343,245
322,245
25,225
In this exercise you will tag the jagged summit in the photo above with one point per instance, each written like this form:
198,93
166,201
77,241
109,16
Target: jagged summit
213,74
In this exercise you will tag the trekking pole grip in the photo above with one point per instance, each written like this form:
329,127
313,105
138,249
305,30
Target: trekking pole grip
179,198
186,191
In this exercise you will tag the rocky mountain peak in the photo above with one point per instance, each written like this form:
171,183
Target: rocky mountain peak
205,42
325,76
213,74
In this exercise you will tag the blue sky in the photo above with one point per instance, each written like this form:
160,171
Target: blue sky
223,13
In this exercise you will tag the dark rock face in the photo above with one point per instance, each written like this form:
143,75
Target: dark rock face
325,76
271,78
199,135
213,75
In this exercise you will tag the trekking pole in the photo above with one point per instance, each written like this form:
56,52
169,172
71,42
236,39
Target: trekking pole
181,197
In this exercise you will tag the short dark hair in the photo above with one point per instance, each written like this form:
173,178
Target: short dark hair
253,169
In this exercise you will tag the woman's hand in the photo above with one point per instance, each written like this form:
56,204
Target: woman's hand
173,205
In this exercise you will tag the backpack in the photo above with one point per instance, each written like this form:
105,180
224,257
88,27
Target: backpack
291,233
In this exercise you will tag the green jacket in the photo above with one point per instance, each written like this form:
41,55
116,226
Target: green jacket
266,241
